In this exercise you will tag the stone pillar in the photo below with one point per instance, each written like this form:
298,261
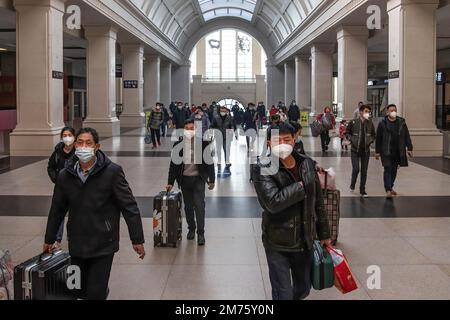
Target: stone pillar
289,82
303,82
101,80
260,88
256,55
201,58
352,68
181,83
39,77
152,81
321,77
275,84
412,52
197,94
132,70
166,83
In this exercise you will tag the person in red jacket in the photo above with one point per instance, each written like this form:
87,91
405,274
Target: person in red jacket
193,109
328,122
273,111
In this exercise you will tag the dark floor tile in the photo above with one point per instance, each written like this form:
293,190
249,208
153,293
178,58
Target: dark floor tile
440,164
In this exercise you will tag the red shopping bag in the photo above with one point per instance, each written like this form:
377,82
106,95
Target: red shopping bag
344,279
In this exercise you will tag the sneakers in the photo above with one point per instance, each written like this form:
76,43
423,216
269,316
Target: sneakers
389,195
191,235
364,194
352,189
201,240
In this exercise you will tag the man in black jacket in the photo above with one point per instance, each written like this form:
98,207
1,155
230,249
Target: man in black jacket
294,112
394,146
293,215
192,175
180,115
361,133
94,191
250,126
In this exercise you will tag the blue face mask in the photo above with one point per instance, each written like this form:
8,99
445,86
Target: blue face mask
85,154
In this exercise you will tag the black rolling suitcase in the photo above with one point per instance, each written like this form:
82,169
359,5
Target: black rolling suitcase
167,220
43,277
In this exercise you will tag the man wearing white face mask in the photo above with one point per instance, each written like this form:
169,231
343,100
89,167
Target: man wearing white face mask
293,214
63,152
361,133
94,192
192,174
394,146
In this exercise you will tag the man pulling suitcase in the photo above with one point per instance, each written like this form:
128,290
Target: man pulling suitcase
192,173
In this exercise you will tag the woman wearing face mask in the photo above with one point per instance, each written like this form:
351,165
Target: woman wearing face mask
64,150
328,122
293,214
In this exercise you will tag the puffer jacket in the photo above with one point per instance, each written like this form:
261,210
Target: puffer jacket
293,215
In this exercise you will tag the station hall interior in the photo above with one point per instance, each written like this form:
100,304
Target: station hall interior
106,63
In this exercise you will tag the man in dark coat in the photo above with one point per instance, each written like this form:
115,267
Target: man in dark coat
294,112
180,115
250,126
394,145
94,191
224,122
192,175
293,214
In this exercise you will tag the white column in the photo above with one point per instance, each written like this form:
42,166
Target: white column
101,80
352,67
181,83
201,58
275,84
412,52
152,81
261,88
321,77
303,82
39,77
197,94
132,70
166,83
289,82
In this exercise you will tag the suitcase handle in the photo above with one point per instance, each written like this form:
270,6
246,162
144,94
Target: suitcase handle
51,254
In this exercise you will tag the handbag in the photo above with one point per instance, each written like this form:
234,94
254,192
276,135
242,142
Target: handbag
322,271
344,280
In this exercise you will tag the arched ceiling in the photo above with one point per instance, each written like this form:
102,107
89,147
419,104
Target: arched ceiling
182,19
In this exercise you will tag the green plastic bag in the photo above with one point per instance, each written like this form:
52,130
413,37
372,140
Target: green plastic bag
322,271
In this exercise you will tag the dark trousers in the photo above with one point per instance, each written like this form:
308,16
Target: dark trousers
290,274
360,163
156,136
390,174
224,144
95,274
163,128
193,189
325,139
60,233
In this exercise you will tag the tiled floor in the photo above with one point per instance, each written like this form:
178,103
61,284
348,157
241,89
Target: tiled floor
408,238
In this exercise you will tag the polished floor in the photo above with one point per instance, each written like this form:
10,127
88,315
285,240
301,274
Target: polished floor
408,237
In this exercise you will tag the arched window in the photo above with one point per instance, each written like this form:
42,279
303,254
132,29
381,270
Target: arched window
229,103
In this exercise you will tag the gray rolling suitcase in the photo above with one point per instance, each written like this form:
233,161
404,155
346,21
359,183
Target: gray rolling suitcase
43,277
167,220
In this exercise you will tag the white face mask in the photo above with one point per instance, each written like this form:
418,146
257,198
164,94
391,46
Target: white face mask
366,116
189,134
223,114
282,151
85,154
68,141
393,114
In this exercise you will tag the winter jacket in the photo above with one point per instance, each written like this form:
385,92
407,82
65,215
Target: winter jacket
355,130
58,160
223,123
179,117
292,214
250,119
206,171
155,120
384,138
94,209
293,113
332,118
